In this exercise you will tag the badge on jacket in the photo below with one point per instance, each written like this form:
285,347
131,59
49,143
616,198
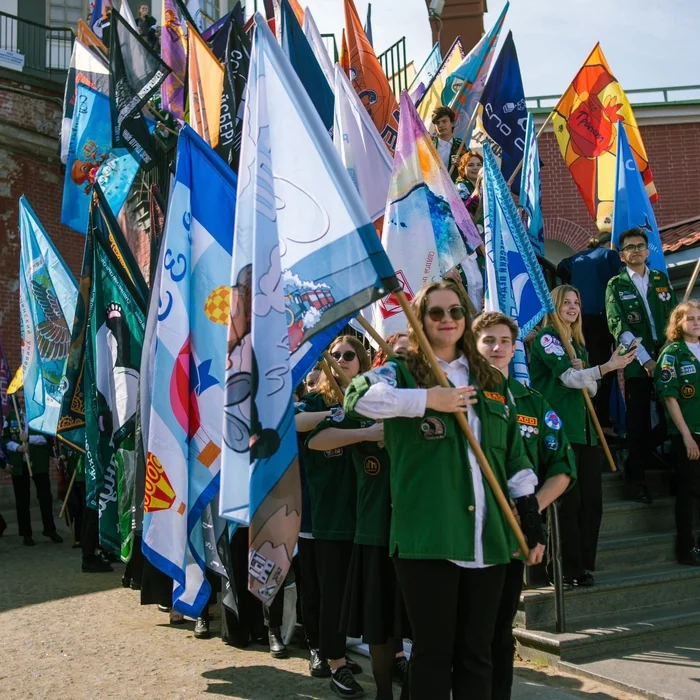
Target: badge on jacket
433,428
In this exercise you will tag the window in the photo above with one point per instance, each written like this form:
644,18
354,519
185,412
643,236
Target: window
211,8
66,13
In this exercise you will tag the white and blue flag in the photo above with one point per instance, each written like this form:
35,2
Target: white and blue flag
531,190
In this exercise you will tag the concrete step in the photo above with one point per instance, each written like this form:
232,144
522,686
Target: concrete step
620,552
615,593
637,518
606,637
657,481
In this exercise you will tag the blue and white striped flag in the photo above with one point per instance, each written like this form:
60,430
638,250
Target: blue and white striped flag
515,284
184,439
48,294
531,190
306,257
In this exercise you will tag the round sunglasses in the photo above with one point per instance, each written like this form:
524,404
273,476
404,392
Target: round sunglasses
348,355
437,313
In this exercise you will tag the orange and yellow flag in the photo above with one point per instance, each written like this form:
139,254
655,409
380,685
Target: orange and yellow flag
369,80
585,123
205,83
17,382
88,38
344,59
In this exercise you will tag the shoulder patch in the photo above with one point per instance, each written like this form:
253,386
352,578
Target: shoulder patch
527,420
495,396
433,428
688,391
666,375
551,442
386,374
337,414
552,420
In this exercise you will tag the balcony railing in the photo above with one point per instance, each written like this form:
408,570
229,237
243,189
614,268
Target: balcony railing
34,48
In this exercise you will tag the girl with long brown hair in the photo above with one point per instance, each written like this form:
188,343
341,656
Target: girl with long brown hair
560,380
449,540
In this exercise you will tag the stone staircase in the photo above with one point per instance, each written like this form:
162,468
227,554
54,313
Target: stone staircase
641,597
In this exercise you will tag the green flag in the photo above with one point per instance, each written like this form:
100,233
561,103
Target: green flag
113,343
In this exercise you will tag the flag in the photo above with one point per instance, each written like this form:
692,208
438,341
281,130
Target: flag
210,33
173,50
368,25
344,58
195,16
300,54
98,16
205,82
319,48
136,73
17,382
503,114
360,148
585,122
427,229
426,73
47,297
369,80
157,217
184,426
86,68
291,294
464,87
88,38
531,190
92,161
632,208
113,345
432,97
128,15
515,284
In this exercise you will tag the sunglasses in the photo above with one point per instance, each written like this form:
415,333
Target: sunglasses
437,313
348,355
641,247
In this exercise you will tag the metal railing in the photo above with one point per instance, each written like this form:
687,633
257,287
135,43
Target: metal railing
393,62
34,48
679,94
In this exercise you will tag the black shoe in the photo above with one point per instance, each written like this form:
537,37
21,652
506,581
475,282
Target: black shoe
201,628
278,650
643,496
400,669
691,558
585,579
344,685
353,665
54,537
135,585
28,541
318,667
95,564
3,525
110,557
126,581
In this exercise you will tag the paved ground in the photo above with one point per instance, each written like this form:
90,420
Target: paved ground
65,635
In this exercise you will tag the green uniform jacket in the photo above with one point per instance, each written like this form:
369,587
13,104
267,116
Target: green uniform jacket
545,441
548,361
330,477
678,375
40,455
626,312
456,145
432,496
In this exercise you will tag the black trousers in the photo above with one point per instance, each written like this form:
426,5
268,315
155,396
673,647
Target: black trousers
599,344
688,498
503,644
76,508
22,488
332,565
638,393
452,612
580,513
90,532
310,592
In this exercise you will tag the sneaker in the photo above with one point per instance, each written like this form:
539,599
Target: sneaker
344,685
201,628
318,666
164,608
95,564
354,667
692,558
400,669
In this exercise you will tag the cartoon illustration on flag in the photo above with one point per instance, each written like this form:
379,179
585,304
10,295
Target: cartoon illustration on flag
586,121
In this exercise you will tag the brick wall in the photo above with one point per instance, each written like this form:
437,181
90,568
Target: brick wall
674,154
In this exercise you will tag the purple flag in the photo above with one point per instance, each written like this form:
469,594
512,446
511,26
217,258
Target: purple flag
173,50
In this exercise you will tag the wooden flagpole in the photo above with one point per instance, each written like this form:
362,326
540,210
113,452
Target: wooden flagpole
693,280
331,380
375,336
464,425
344,379
68,491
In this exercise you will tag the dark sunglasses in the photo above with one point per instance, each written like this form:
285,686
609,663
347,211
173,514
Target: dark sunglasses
437,313
348,355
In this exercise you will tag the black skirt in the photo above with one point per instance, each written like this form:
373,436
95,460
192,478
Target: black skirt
373,608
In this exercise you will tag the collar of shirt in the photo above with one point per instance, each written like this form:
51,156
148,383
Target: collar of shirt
457,371
644,278
694,348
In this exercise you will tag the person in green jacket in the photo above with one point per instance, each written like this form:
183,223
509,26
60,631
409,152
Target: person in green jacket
677,376
330,479
19,442
638,303
552,456
449,540
561,381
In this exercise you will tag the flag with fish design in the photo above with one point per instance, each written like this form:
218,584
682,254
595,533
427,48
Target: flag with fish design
48,294
306,257
183,431
515,284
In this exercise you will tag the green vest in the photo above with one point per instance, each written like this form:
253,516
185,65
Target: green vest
678,375
330,477
626,311
548,361
372,470
454,150
546,443
432,496
40,455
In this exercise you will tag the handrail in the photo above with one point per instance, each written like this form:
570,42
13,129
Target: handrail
559,610
393,63
635,91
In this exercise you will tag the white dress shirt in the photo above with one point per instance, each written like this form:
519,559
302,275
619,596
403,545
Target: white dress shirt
384,401
444,148
694,348
641,282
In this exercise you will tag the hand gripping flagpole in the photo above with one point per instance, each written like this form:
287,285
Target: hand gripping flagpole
464,425
586,396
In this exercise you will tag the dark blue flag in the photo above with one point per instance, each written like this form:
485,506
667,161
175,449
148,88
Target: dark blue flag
504,111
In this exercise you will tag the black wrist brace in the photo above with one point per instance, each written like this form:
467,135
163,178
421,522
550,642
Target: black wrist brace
531,520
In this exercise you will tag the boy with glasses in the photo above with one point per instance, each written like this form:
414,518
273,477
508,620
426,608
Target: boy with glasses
638,303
